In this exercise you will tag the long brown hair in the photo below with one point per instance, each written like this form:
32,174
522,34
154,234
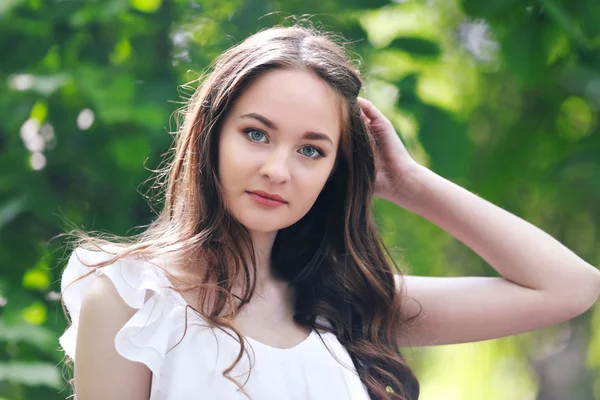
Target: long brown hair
334,256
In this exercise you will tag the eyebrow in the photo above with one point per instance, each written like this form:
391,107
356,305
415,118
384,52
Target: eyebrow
271,125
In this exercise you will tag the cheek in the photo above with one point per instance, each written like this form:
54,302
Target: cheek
313,182
231,159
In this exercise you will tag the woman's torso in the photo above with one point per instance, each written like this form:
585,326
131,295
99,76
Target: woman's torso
187,357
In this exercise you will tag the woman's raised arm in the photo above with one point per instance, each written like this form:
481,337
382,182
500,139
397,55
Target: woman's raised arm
543,282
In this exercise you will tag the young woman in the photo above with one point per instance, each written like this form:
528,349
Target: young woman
266,242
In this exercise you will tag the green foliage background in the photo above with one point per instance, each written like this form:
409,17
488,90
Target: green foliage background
498,96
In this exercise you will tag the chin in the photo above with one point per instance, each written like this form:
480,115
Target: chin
258,223
262,226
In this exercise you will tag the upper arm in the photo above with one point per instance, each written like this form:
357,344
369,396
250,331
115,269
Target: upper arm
470,309
101,372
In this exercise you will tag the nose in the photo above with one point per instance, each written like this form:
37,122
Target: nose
275,167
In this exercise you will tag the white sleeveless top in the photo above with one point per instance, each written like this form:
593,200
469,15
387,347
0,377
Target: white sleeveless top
193,368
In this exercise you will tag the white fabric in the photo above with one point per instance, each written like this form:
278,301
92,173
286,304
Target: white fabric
193,368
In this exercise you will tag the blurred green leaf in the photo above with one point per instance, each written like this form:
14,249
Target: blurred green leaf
7,5
576,119
101,11
408,91
148,6
493,8
416,46
111,94
560,16
445,139
524,51
36,279
36,313
129,152
31,373
11,210
39,111
34,335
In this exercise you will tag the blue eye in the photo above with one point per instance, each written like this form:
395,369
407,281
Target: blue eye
254,134
315,153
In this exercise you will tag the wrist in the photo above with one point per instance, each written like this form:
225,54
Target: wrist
409,192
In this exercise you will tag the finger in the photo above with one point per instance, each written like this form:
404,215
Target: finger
369,108
366,119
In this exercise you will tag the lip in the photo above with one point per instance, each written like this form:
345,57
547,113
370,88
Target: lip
265,201
268,195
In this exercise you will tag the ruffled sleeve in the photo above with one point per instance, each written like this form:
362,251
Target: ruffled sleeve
148,334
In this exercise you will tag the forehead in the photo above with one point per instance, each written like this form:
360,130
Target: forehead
296,100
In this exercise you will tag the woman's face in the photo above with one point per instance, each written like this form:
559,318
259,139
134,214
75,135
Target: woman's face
280,137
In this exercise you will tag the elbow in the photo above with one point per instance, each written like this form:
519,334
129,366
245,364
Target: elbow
586,294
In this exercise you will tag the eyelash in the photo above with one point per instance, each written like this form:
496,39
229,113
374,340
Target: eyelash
247,131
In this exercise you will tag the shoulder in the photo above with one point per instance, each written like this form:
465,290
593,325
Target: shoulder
103,315
122,321
101,300
110,294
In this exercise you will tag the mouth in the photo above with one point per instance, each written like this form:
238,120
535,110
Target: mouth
265,202
268,196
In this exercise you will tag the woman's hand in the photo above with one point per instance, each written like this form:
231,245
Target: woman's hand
396,169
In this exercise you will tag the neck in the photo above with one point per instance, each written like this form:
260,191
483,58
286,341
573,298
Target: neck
192,273
263,246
